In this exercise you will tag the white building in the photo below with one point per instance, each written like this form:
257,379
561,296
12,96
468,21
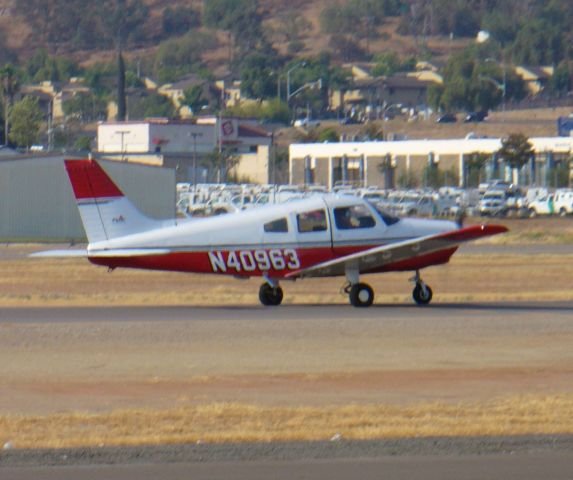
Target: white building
383,163
184,144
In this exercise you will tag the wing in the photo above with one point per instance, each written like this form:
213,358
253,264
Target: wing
378,257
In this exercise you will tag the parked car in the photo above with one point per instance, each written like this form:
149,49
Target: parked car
544,205
564,202
414,205
447,118
560,203
475,116
493,204
306,122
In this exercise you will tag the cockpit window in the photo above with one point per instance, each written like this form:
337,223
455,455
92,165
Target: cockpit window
314,221
277,226
386,217
355,216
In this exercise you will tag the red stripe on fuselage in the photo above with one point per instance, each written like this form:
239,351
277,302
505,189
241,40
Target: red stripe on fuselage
89,180
200,262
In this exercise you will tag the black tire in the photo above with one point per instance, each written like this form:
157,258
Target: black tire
270,296
361,295
562,212
532,213
422,296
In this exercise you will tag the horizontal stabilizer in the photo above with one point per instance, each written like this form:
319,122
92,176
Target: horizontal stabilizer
128,252
83,253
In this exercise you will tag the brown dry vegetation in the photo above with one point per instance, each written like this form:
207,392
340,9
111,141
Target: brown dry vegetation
240,423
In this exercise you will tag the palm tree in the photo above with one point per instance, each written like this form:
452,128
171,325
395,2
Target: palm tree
9,85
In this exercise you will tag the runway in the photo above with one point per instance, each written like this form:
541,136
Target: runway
284,313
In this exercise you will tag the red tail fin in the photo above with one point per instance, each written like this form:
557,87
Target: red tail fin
90,181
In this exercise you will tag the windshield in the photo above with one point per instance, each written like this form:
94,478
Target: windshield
387,218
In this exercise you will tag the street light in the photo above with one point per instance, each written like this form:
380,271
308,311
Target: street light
301,64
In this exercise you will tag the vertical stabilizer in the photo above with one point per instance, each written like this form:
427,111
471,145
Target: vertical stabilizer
105,211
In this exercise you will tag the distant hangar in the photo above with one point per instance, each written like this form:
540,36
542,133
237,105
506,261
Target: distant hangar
37,202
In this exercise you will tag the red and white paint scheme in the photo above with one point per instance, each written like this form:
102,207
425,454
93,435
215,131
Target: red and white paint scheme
316,237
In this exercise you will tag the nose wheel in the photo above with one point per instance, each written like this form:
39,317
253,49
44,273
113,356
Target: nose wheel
270,296
422,293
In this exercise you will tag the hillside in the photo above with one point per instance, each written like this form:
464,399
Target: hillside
17,34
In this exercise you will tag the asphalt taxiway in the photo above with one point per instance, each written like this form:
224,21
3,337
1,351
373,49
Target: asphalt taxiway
473,458
444,311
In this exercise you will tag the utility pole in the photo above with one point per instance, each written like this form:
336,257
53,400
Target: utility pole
195,135
123,133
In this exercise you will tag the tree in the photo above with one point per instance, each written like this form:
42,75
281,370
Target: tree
258,78
473,81
178,57
516,150
474,164
346,48
241,19
10,84
359,18
223,161
25,119
153,105
122,20
85,107
121,99
83,144
291,29
273,110
179,20
329,135
85,24
193,98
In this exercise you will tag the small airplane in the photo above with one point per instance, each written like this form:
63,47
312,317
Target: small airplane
320,236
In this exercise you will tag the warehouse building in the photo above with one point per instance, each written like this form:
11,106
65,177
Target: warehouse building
190,147
37,202
388,164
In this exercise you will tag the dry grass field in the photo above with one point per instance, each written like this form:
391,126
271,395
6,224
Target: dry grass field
248,423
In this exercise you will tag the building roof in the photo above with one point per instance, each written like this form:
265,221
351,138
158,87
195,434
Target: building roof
539,72
395,81
252,131
404,81
186,82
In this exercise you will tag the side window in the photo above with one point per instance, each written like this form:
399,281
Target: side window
356,216
277,226
314,221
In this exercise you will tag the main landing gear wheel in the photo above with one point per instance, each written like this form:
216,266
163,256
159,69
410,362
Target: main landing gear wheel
361,295
270,296
422,294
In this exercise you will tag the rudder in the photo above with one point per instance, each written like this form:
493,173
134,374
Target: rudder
105,211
